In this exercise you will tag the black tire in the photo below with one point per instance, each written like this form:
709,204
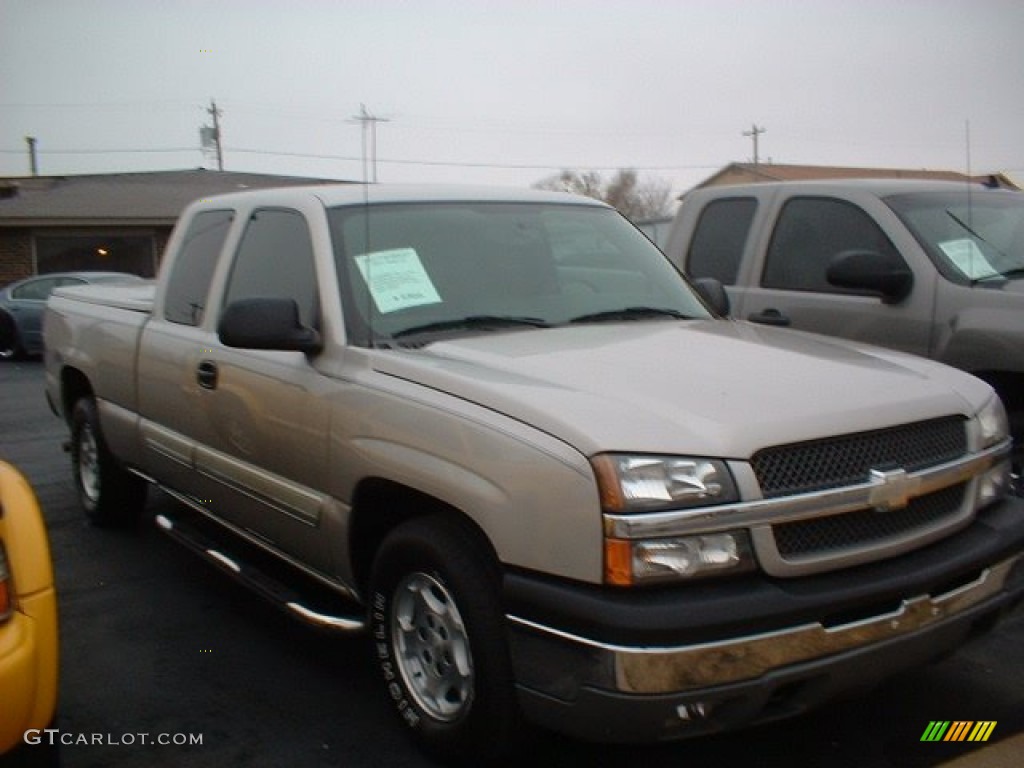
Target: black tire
109,494
439,639
10,345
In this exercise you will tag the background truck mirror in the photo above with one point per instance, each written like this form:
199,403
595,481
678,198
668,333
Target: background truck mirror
713,293
880,274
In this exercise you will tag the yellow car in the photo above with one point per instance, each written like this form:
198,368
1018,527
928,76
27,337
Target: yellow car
28,613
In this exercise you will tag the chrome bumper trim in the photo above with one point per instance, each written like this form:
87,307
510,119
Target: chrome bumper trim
660,670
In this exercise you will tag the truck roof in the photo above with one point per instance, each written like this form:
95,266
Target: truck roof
878,187
332,195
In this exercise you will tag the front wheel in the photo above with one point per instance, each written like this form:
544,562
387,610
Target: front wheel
109,494
439,639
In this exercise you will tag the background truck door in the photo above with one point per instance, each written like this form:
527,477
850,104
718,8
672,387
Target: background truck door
793,289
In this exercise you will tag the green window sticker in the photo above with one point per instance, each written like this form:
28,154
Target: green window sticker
968,258
396,279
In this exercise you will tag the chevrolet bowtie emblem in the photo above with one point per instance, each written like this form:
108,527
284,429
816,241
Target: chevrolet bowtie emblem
892,490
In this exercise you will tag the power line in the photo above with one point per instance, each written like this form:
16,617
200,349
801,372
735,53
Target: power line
391,161
101,151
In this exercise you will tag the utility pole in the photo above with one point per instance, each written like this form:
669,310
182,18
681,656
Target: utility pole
31,141
754,132
369,123
215,114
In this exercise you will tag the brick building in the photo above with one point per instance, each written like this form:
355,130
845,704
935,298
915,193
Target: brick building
117,221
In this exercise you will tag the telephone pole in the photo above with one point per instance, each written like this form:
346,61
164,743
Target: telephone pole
369,123
215,114
33,164
754,132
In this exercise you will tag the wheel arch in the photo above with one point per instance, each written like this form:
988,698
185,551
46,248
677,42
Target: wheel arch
74,385
381,505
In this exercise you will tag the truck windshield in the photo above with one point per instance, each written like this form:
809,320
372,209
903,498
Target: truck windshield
972,236
413,273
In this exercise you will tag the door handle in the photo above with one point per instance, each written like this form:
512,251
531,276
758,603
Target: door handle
770,317
206,374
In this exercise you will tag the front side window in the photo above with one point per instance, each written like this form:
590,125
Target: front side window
809,234
189,282
275,261
719,238
413,269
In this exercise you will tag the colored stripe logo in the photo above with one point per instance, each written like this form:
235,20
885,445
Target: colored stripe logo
958,730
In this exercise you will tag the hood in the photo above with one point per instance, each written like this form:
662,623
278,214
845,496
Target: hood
1015,286
711,388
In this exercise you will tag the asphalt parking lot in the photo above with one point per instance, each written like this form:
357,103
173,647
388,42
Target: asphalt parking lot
165,662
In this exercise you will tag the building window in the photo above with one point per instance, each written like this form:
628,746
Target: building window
96,252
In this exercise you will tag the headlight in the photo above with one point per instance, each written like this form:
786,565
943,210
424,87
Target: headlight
633,484
656,561
994,484
639,483
995,427
993,423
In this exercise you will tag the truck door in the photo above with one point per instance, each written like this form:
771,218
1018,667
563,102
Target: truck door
171,344
262,424
793,291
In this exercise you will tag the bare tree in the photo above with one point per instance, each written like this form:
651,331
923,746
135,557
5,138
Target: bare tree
587,183
654,199
636,200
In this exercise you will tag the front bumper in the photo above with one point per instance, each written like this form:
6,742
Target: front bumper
611,666
28,668
28,637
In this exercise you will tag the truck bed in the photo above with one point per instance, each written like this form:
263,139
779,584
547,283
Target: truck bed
95,330
133,297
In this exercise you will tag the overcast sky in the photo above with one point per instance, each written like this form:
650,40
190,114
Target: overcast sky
509,91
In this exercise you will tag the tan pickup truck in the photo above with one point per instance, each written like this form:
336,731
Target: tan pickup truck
499,432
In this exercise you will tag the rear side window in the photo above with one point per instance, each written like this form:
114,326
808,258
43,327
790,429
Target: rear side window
189,283
275,261
36,290
719,239
810,233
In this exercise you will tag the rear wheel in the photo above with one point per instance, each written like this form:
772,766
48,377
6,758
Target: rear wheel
439,638
109,494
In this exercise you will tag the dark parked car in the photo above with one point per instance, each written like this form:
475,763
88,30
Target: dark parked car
22,304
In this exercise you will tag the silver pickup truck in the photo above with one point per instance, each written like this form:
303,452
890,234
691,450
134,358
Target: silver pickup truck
935,268
500,433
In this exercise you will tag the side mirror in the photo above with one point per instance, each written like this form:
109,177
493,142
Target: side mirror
713,293
266,324
884,275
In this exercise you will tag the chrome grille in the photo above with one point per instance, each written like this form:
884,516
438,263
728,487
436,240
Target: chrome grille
827,535
848,460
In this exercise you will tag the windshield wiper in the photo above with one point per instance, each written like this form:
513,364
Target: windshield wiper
630,313
472,322
1011,274
973,233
